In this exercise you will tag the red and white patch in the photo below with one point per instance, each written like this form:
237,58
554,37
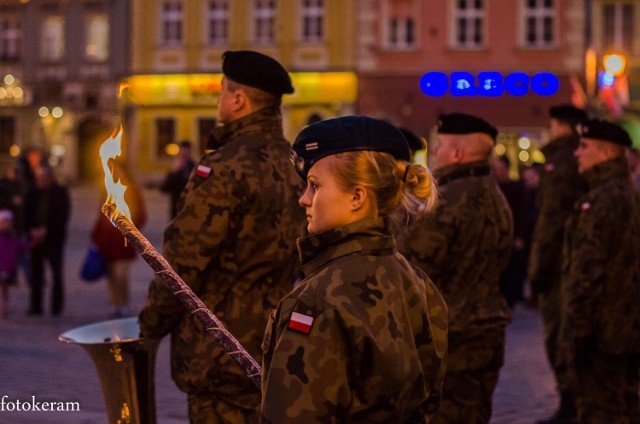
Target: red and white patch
585,206
203,170
300,322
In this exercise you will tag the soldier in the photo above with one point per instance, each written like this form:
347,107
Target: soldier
464,247
232,241
560,186
362,338
601,281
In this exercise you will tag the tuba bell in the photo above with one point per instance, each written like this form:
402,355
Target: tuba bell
126,367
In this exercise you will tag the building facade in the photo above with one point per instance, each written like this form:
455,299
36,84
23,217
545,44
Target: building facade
63,65
60,64
177,47
402,40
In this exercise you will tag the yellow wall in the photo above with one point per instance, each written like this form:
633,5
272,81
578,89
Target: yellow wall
147,51
165,96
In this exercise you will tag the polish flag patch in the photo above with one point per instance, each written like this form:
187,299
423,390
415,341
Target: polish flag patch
585,206
203,170
300,322
311,146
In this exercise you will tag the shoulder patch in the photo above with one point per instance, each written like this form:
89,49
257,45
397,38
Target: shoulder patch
203,170
585,206
300,322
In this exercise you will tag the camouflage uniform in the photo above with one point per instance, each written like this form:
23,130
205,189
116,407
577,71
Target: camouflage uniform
464,247
375,349
560,186
233,243
601,297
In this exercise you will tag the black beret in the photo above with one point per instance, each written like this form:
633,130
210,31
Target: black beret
415,142
256,70
346,134
605,131
568,113
461,123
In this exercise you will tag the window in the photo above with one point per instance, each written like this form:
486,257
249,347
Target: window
52,39
401,33
165,135
171,23
312,21
10,35
205,126
399,20
469,24
218,22
618,26
539,19
7,133
264,18
97,38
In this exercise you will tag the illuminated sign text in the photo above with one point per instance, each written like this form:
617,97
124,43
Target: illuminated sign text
488,84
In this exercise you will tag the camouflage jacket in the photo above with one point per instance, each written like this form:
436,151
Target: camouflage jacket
601,267
560,186
362,339
463,247
233,243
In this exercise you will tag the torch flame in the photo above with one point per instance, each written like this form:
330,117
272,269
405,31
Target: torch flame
111,148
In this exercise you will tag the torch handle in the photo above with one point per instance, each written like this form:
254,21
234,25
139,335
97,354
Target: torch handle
183,292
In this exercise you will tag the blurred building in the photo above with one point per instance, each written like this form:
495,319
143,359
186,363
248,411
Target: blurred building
401,40
63,64
176,66
60,66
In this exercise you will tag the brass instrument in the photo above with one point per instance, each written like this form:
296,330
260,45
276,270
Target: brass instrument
126,367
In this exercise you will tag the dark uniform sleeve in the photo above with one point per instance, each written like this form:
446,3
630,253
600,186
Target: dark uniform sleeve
555,202
428,244
308,378
586,266
191,243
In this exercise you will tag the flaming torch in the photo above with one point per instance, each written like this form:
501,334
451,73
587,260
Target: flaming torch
116,209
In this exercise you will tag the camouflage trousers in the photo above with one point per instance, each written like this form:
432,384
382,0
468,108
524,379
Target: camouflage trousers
550,305
607,391
207,408
472,375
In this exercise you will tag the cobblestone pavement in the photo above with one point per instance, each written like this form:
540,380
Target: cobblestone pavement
35,366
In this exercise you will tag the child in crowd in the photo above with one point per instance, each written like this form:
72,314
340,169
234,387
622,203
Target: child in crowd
10,247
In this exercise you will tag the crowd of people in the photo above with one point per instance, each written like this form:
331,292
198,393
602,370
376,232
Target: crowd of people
35,211
373,289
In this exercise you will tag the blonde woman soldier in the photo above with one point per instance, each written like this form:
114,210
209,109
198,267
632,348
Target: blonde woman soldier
362,338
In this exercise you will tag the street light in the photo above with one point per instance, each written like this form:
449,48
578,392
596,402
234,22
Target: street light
613,84
614,63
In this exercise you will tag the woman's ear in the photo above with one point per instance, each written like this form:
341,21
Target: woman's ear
359,199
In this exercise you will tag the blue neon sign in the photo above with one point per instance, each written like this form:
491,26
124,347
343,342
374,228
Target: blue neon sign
488,84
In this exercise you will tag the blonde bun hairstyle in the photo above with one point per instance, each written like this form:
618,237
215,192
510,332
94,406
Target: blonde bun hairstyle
401,191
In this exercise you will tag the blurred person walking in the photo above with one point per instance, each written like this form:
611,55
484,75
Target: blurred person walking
530,176
512,279
601,282
117,254
177,178
464,248
47,208
233,241
560,186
